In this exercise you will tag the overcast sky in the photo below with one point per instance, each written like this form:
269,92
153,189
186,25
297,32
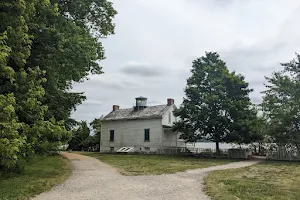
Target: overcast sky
156,41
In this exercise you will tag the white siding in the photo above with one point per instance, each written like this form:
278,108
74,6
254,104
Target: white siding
171,138
167,114
130,133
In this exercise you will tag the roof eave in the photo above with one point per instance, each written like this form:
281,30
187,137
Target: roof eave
137,118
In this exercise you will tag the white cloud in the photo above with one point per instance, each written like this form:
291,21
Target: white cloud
92,102
143,69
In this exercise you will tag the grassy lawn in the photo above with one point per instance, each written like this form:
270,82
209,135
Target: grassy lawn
270,180
153,164
40,175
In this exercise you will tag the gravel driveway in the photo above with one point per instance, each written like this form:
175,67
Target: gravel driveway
93,179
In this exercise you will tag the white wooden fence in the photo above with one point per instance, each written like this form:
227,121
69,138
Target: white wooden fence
283,152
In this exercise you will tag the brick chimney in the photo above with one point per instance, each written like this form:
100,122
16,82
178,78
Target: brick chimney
116,107
170,102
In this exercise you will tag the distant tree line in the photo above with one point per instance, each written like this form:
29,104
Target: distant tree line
82,140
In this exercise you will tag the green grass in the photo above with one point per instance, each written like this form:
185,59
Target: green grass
40,174
268,181
154,164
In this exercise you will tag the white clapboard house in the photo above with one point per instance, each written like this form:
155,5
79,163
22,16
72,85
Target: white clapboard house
141,128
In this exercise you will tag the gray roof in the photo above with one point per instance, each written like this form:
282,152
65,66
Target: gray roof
141,97
129,113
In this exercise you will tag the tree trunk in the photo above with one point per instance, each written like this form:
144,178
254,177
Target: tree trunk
217,149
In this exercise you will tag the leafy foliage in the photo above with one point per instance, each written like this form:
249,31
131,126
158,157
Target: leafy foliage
70,50
12,144
96,125
79,135
217,106
281,103
82,140
45,47
95,139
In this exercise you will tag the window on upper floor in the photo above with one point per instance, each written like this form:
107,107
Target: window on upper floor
112,135
147,135
170,117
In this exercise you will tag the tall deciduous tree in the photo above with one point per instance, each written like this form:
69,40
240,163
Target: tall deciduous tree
67,45
217,106
25,130
46,45
281,104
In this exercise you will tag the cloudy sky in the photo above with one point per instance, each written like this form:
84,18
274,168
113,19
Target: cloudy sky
156,42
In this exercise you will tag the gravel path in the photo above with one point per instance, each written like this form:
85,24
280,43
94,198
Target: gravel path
92,179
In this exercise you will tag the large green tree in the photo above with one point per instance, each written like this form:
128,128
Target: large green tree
67,45
217,106
46,45
281,104
25,130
